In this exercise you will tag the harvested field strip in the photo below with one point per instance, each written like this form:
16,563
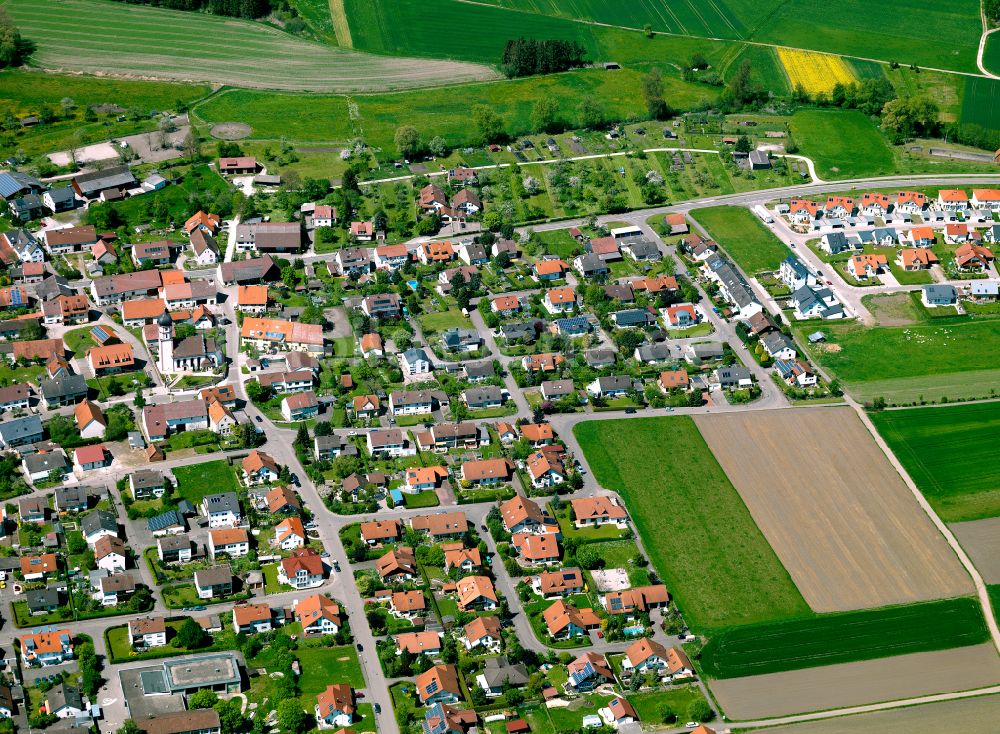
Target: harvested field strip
848,530
950,452
815,72
976,715
842,638
156,43
700,536
981,540
856,684
338,16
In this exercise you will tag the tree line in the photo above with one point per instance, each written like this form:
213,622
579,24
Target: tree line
14,50
528,56
231,8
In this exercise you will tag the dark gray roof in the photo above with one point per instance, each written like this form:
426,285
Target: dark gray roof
615,382
498,672
42,598
62,195
147,479
590,263
62,696
71,497
489,393
71,386
164,521
214,575
413,355
52,286
642,249
13,182
98,520
480,369
92,184
20,429
657,352
599,357
775,341
633,316
222,502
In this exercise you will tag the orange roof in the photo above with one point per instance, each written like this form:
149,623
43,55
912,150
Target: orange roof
805,205
479,469
303,559
956,228
336,697
425,475
371,342
922,233
86,412
986,194
398,560
111,355
832,202
437,251
506,303
550,267
315,607
674,378
280,330
289,526
409,601
257,460
543,362
673,311
482,627
536,547
280,497
560,295
201,219
642,649
870,199
601,507
518,509
244,614
380,530
146,308
918,256
46,642
955,195
472,588
227,536
171,277
436,679
561,614
535,432
540,463
251,295
911,197
391,251
458,554
217,411
860,263
45,563
556,582
418,642
366,402
657,284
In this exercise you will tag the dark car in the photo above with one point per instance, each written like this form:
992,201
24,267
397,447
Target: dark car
295,480
258,419
336,565
377,708
629,411
361,648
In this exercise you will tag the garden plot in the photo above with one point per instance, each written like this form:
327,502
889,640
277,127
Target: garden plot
856,684
833,508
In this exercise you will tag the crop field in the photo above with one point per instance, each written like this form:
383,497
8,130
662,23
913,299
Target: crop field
743,236
706,548
981,540
991,54
856,684
981,101
833,508
929,361
765,68
841,638
842,144
142,41
950,453
814,72
970,716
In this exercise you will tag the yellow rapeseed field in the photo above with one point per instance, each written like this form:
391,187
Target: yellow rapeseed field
815,72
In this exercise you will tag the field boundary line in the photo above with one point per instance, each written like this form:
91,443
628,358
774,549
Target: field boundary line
981,591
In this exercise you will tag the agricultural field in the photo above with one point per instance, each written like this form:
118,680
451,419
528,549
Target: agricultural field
981,101
971,716
856,684
844,525
707,549
981,541
840,638
167,44
960,476
951,359
814,72
842,143
991,54
743,236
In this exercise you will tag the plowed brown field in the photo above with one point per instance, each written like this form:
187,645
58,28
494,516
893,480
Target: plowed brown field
833,508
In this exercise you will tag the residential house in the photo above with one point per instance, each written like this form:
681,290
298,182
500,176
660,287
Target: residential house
482,632
398,565
252,618
555,584
438,684
408,604
597,511
559,300
938,295
536,549
260,468
222,510
419,643
389,442
302,570
796,373
335,706
290,534
487,472
98,524
498,674
637,600
110,554
415,361
147,632
174,549
318,615
50,647
300,406
564,621
611,386
230,542
588,671
214,581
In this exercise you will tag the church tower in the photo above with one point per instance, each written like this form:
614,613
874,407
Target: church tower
166,328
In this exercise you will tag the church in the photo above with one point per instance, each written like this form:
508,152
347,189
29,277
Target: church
196,353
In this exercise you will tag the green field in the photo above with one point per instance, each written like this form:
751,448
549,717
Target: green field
950,452
168,44
212,477
743,236
700,536
648,705
991,55
994,591
842,144
981,101
322,666
842,638
326,118
949,358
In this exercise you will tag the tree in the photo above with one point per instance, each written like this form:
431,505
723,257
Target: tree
191,636
203,699
129,727
302,440
699,710
291,717
407,141
742,90
14,50
652,91
140,400
667,715
906,117
230,716
743,144
438,147
488,123
590,113
543,114
627,340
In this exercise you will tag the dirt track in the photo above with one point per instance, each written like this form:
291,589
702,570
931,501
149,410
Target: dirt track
856,684
969,716
835,511
981,540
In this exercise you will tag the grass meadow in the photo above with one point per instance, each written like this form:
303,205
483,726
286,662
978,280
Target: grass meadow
700,536
842,144
981,101
743,236
945,359
950,452
840,638
198,480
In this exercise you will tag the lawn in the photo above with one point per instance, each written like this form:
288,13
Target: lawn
155,42
22,618
120,651
559,242
946,359
587,534
79,340
198,480
322,666
427,498
839,638
700,536
994,591
950,452
744,237
842,144
649,705
438,321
